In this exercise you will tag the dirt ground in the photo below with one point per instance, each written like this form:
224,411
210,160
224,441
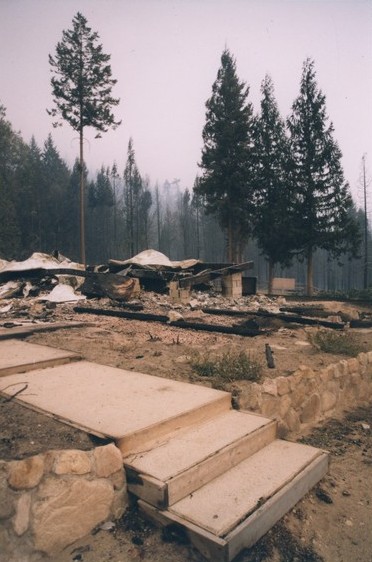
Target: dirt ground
332,523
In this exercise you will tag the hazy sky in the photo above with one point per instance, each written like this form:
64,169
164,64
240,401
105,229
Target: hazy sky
165,55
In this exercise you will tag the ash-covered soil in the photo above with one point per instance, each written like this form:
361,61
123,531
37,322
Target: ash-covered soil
332,523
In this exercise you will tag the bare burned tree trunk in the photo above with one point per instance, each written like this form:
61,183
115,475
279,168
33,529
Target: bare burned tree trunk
271,277
309,273
82,213
230,241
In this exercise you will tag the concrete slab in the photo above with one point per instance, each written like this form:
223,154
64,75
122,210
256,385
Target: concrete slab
133,408
220,505
190,447
19,357
28,329
193,457
251,528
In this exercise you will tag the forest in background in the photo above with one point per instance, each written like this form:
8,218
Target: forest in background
270,188
39,211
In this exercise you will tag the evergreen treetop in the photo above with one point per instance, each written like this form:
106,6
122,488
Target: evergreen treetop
273,186
82,79
81,86
226,156
323,201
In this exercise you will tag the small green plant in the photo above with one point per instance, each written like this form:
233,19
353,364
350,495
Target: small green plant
230,366
338,343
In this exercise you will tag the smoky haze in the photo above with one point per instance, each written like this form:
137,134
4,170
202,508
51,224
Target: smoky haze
165,55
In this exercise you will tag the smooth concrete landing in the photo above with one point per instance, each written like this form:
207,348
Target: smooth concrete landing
19,357
132,408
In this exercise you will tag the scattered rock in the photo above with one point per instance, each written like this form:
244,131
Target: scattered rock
323,496
174,316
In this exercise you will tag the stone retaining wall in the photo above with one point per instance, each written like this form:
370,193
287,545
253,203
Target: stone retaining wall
50,500
303,399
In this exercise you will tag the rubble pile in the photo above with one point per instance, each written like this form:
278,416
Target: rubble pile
149,287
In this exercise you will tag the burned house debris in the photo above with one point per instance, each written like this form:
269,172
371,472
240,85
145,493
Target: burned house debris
118,288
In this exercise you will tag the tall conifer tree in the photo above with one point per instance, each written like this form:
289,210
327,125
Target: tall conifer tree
273,193
323,200
226,183
12,149
56,176
132,191
82,84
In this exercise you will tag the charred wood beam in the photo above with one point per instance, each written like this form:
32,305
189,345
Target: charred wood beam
269,356
39,272
123,314
311,311
225,312
129,305
164,319
153,274
210,274
361,324
284,317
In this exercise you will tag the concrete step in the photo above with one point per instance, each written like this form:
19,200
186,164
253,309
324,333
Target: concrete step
19,357
134,409
235,509
184,462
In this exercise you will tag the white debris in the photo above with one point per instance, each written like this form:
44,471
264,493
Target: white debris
9,289
155,258
27,288
107,526
6,308
62,293
39,261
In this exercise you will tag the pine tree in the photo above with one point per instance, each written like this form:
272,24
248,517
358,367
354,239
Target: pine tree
273,194
132,191
145,204
114,183
323,200
11,150
227,161
30,204
82,85
100,205
56,176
